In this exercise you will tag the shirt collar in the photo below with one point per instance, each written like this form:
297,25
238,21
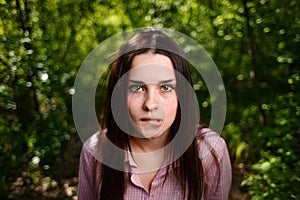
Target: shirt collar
129,162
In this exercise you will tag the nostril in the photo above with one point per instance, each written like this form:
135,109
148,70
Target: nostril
151,107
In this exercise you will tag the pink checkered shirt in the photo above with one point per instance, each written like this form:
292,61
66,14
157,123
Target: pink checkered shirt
90,180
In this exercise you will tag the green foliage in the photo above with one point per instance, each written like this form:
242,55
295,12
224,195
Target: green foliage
276,175
42,45
255,44
272,179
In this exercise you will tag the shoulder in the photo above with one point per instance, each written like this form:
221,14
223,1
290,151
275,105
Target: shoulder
90,146
211,146
89,169
88,151
91,149
216,164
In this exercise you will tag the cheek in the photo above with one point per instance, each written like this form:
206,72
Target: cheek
171,109
132,108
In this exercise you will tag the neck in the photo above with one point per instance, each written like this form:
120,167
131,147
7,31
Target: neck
146,145
148,154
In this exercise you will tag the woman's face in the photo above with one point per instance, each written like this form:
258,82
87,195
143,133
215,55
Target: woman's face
152,100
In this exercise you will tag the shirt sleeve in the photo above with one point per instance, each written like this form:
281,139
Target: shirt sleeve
226,175
218,175
216,166
86,178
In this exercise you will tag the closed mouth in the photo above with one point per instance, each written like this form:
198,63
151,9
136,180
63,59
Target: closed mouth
150,119
153,121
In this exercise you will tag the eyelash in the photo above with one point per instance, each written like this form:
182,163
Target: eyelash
167,88
138,88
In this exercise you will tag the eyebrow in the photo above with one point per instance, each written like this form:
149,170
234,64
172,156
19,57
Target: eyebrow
160,82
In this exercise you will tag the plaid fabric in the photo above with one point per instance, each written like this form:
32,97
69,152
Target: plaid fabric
217,173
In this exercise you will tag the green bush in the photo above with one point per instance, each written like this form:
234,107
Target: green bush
276,175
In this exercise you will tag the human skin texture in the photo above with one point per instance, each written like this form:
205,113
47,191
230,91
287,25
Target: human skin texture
152,100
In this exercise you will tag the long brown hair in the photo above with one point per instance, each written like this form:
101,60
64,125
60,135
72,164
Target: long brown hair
190,172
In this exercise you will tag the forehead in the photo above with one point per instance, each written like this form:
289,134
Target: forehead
151,58
152,68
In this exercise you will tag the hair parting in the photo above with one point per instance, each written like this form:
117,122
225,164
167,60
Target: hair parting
190,171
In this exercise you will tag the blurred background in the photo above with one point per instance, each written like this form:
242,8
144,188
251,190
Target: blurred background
255,45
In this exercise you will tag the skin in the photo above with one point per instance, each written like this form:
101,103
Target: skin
152,99
152,104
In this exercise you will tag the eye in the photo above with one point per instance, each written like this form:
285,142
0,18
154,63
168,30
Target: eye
167,88
136,88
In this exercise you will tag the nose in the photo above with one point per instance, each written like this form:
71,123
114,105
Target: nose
151,100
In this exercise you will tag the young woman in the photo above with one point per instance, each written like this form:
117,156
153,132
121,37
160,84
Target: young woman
166,153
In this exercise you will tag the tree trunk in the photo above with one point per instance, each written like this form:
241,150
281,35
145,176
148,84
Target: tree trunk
26,97
253,72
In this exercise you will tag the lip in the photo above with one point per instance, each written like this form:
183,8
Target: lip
152,121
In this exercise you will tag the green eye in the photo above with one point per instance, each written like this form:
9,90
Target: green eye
167,88
136,88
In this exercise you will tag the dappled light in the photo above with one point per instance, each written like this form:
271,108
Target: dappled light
255,45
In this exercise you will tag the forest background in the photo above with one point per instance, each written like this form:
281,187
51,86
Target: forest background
255,45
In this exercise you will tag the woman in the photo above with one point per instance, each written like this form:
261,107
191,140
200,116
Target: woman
155,112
